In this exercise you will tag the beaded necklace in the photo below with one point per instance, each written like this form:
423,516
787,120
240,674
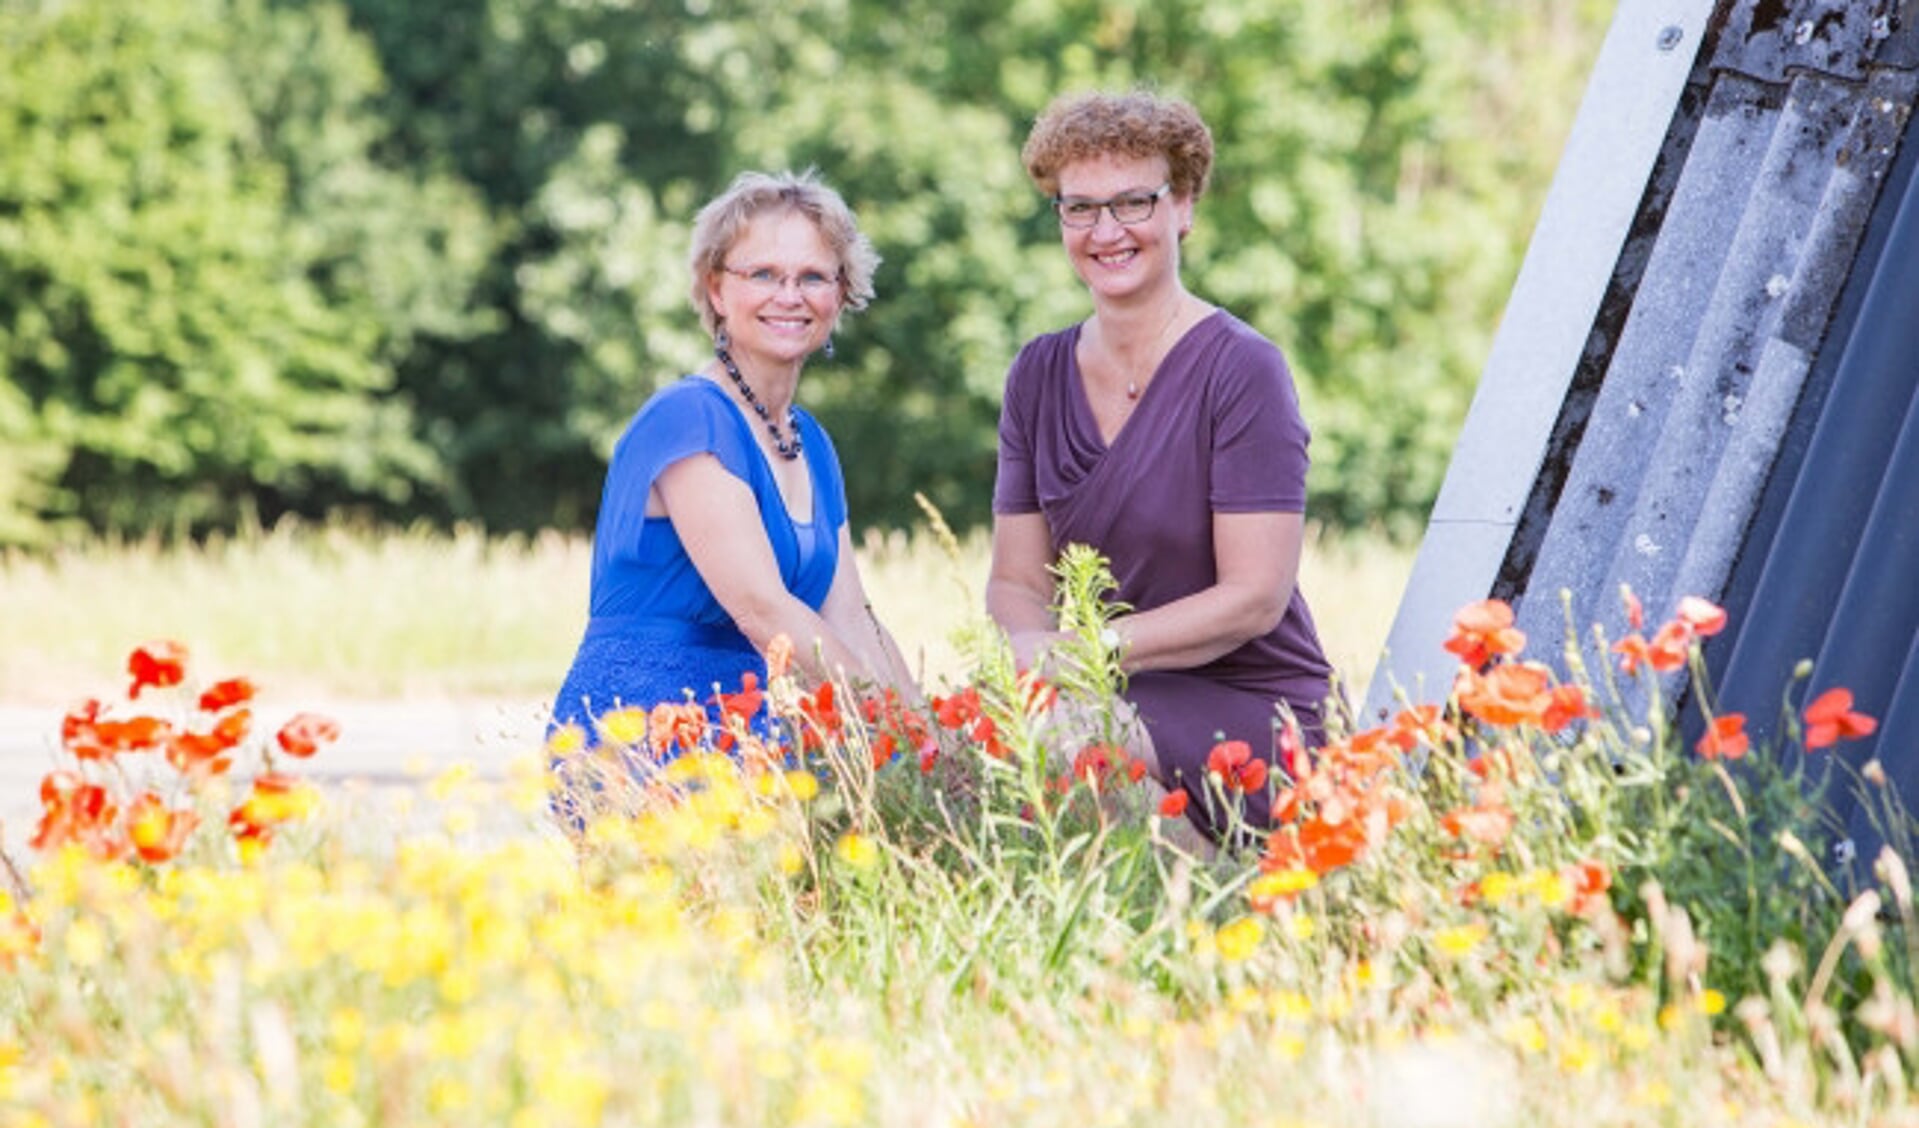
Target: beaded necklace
788,451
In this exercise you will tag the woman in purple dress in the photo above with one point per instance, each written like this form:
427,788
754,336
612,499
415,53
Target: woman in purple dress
1165,433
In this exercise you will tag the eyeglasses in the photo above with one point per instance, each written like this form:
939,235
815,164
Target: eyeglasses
1128,208
766,280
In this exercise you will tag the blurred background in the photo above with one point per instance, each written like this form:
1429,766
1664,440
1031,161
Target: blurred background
402,269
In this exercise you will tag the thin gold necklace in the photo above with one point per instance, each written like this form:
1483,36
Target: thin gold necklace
1133,390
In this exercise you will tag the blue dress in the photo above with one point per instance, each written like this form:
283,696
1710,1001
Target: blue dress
656,633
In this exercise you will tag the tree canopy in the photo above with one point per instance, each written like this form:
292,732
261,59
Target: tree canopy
421,259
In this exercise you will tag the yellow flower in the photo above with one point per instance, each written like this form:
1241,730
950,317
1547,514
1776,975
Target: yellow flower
1281,884
565,741
1497,886
857,850
1290,1006
347,1029
623,727
1524,1034
1710,1002
86,943
1460,939
1301,926
450,782
1237,940
1576,1055
339,1073
791,859
804,785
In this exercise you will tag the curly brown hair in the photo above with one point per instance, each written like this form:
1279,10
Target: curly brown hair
1077,127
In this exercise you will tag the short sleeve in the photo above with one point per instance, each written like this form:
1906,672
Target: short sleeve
1014,487
688,417
1259,457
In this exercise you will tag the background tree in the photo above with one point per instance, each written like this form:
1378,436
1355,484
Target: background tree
423,258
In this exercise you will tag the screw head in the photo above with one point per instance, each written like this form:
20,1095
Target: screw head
1669,37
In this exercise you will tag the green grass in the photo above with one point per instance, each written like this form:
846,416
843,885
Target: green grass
347,612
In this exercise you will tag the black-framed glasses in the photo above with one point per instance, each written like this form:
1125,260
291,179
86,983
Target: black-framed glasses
1128,208
766,280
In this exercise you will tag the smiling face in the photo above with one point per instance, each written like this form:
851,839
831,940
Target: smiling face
1119,261
772,318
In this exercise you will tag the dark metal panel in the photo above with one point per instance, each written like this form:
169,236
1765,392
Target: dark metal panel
1770,39
1817,594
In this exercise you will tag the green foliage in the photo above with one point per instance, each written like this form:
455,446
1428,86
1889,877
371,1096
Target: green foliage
426,257
206,276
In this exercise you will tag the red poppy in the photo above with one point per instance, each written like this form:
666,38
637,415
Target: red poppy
929,756
158,664
304,734
1095,763
1703,617
1483,631
1174,804
819,709
78,812
1589,880
1037,695
156,832
1830,719
1725,738
226,694
1635,612
669,725
1564,705
1232,761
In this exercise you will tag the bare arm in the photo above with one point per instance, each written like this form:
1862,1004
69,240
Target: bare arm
1019,588
1256,558
717,518
850,615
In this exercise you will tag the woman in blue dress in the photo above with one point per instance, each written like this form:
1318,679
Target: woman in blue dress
723,522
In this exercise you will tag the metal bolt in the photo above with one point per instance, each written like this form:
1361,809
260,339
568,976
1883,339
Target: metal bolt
1669,36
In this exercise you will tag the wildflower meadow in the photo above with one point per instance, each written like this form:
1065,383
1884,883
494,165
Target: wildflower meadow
1535,904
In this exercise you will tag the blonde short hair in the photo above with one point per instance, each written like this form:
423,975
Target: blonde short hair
753,194
1077,127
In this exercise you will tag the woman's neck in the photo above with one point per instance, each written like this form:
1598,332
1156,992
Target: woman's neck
1135,333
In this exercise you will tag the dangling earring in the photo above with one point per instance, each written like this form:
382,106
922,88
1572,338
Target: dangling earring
828,350
721,340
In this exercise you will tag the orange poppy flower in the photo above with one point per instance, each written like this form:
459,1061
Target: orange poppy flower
682,725
779,656
1511,693
157,833
1725,738
305,733
226,694
1488,823
1095,763
1589,880
1174,804
158,664
1037,695
1830,719
1483,631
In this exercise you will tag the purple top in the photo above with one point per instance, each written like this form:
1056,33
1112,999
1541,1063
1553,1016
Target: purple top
1217,430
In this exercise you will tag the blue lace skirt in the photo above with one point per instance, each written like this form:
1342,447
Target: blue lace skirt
640,661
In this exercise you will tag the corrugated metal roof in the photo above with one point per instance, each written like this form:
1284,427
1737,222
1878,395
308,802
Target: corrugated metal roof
1742,423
